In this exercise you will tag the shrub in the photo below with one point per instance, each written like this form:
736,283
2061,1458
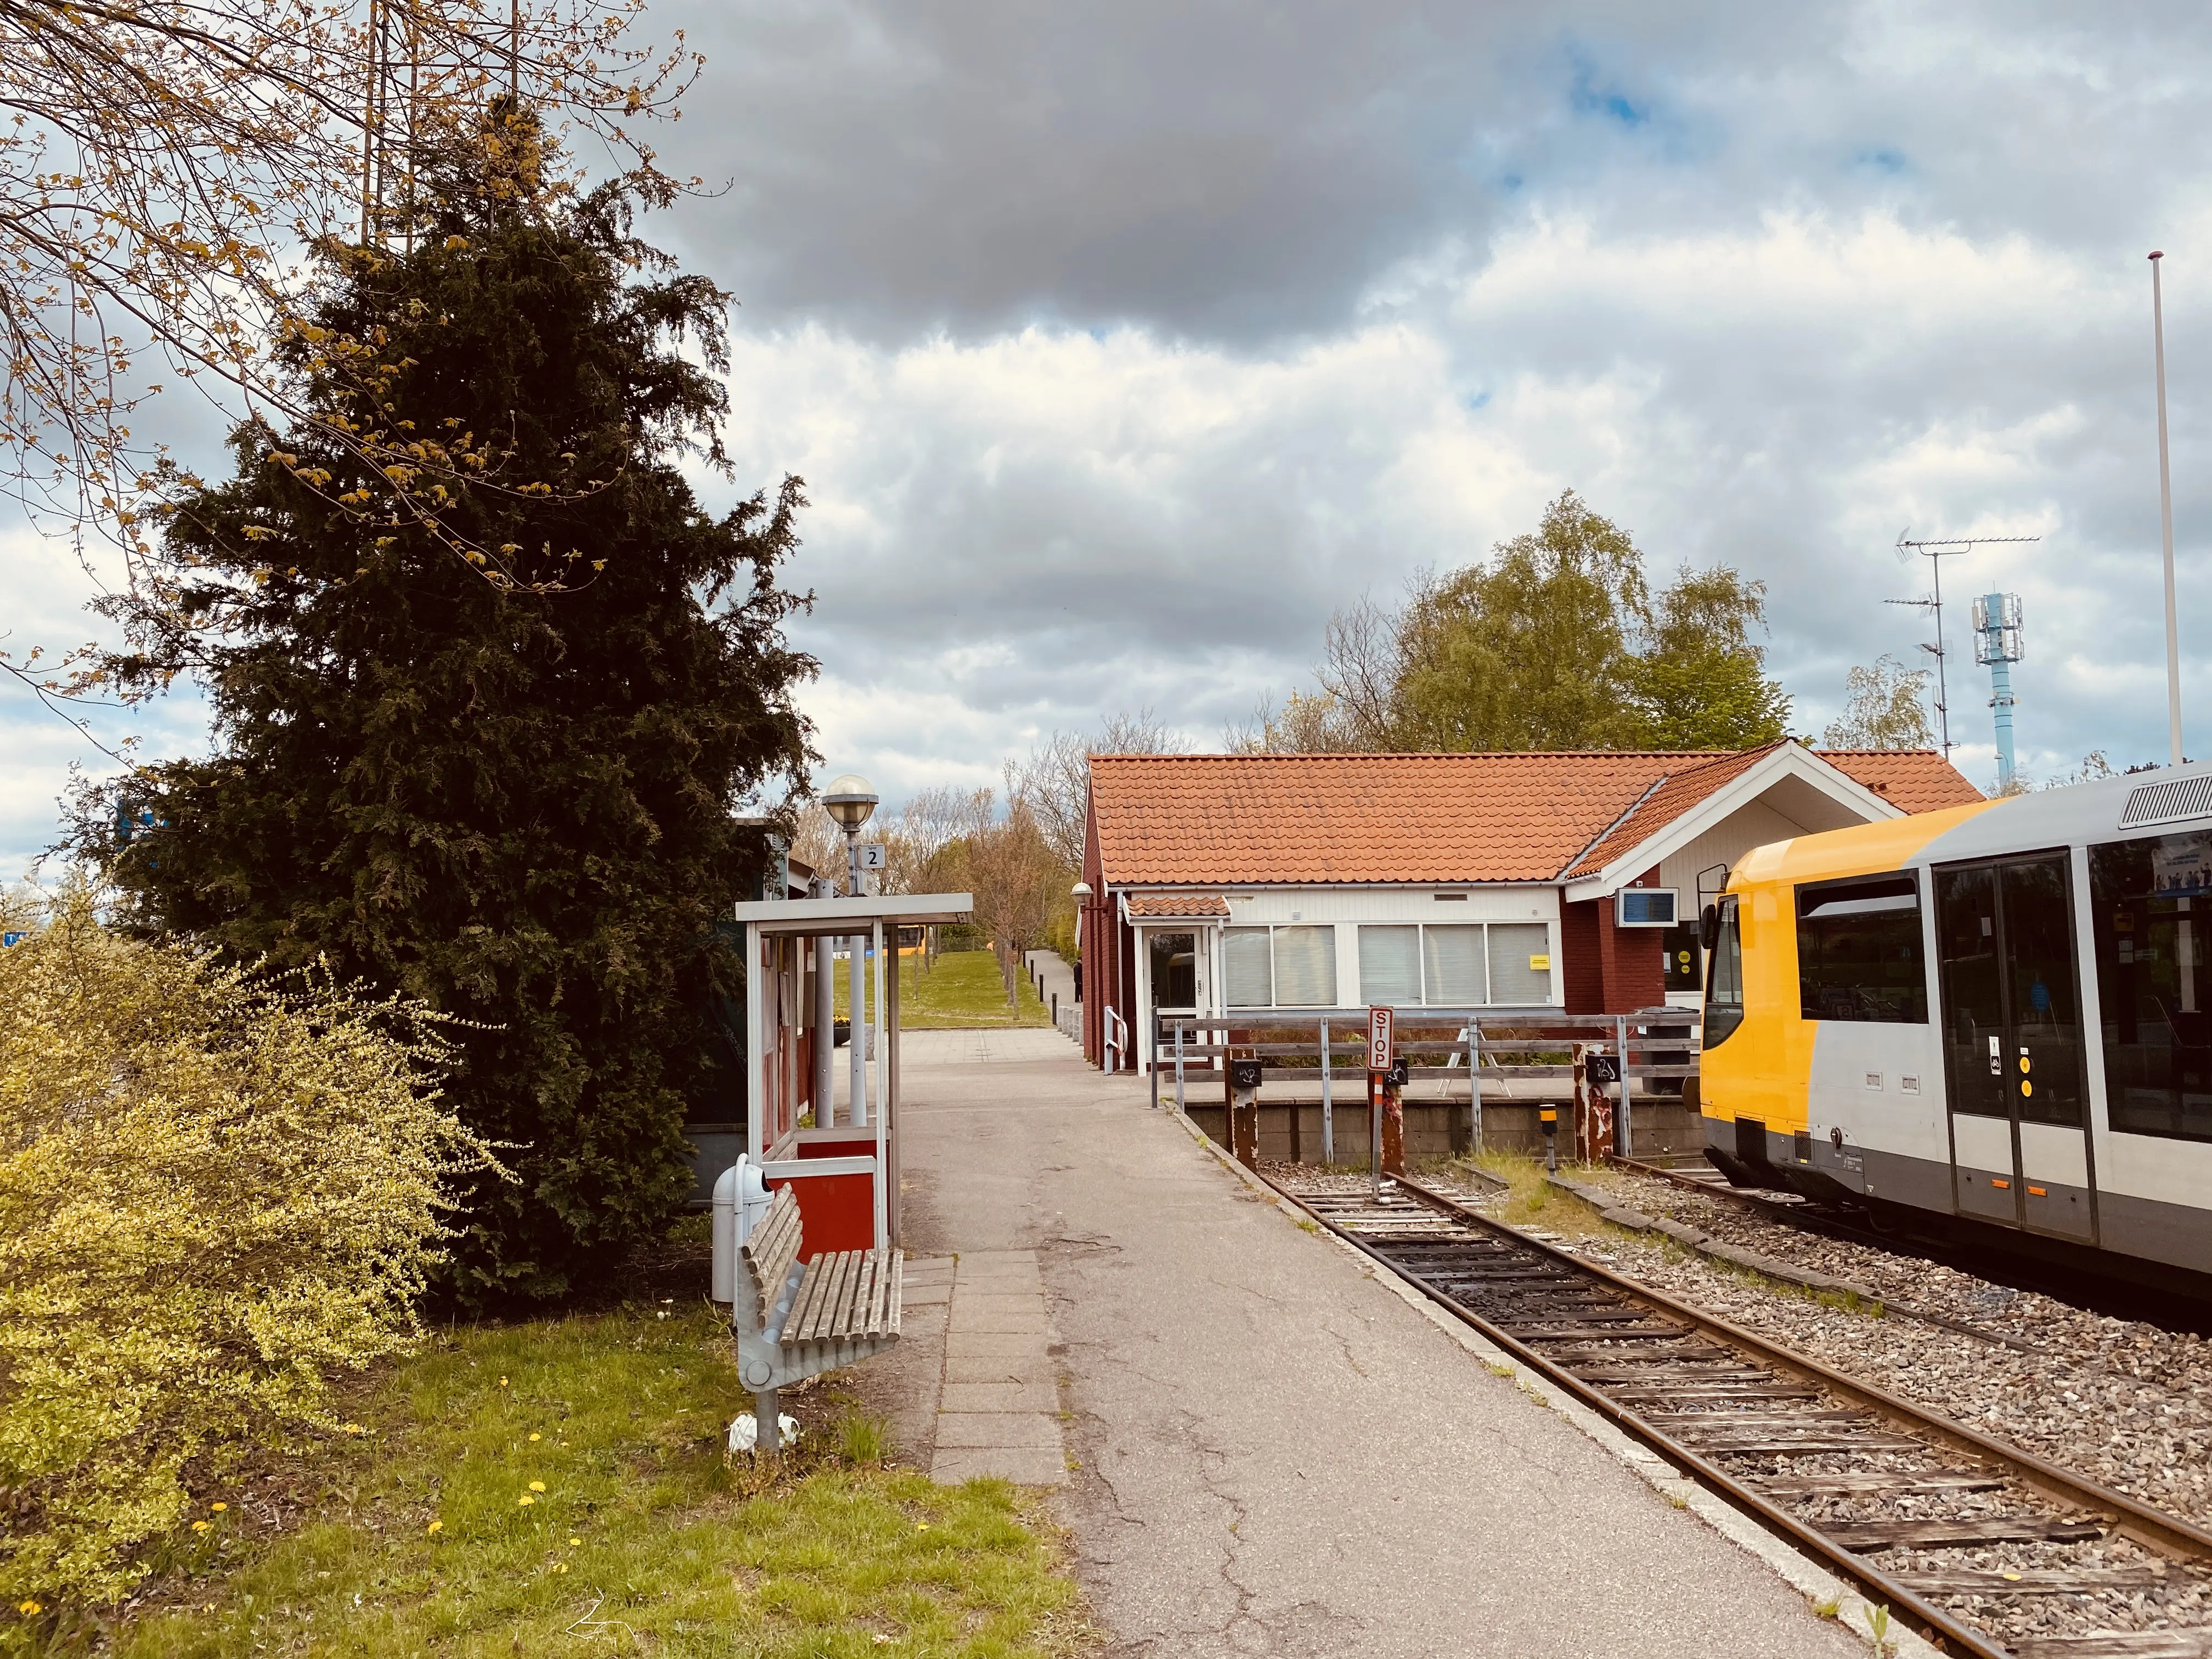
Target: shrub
217,1187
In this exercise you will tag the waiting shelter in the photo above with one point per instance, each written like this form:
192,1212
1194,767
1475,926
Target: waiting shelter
844,1175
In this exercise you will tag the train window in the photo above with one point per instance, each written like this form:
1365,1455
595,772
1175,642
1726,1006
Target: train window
2152,984
1859,955
1724,980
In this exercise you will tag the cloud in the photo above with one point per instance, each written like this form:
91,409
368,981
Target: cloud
1047,525
1118,346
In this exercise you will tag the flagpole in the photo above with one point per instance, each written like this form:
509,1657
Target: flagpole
2166,519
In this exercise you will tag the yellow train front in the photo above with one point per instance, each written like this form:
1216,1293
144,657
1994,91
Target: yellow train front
1998,1013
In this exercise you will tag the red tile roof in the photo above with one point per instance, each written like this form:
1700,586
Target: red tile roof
1913,779
1212,820
1177,905
1680,788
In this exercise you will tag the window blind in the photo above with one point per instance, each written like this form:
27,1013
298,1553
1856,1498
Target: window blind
1391,965
1305,967
1245,966
1454,956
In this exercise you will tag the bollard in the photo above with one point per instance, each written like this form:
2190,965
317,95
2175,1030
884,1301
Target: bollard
1548,1121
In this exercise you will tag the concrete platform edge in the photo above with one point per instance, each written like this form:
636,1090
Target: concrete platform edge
1800,1571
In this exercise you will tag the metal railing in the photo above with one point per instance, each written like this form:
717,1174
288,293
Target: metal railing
1114,1036
1458,1051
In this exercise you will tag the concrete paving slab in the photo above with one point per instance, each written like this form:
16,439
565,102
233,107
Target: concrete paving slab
1021,1431
1023,1468
993,1345
1036,1369
1000,1397
1002,1321
1279,1454
924,1296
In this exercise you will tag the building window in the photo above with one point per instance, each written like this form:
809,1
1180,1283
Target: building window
1520,964
1391,965
1248,980
1453,956
1305,967
2151,944
1859,954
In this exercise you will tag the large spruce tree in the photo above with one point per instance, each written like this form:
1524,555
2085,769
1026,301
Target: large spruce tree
485,751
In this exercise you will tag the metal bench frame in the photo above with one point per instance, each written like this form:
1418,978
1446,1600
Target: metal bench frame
795,1319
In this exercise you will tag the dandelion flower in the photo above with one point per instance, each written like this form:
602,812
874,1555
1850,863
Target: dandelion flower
536,1436
502,1382
218,1508
575,1540
922,1526
538,1485
525,1499
199,1526
436,1526
562,1567
27,1608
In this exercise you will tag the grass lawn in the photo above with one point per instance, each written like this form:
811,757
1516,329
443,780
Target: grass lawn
961,990
561,1487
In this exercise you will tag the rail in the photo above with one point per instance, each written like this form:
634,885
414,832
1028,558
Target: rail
1700,1390
1117,1046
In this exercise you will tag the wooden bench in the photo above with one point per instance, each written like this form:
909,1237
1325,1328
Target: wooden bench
796,1320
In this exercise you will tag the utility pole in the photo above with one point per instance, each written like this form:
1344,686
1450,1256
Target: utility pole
1935,552
2166,519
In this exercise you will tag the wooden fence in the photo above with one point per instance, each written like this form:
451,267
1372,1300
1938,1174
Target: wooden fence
1460,1051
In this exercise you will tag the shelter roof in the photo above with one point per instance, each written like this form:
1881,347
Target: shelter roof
1176,906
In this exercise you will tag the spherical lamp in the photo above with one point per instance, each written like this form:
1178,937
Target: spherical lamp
851,801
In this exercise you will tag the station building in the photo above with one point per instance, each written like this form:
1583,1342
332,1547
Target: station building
1222,883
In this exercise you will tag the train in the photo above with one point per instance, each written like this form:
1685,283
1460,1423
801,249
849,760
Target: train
1998,1015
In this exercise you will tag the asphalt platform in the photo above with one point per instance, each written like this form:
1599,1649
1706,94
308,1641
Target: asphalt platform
1258,1447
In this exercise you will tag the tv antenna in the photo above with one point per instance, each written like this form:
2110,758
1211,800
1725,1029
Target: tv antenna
1935,551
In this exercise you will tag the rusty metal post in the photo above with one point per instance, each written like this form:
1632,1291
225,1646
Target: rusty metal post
1593,1111
1244,1111
1548,1121
1581,1152
1394,1125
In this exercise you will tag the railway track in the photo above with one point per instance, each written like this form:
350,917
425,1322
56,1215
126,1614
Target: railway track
1896,1500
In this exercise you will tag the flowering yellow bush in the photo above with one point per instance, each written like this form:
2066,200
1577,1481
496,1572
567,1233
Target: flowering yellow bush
216,1188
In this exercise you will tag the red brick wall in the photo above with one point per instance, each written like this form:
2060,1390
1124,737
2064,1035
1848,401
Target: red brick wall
1582,966
1610,970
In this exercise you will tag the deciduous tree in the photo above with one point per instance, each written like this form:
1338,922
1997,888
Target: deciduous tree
1883,708
1553,642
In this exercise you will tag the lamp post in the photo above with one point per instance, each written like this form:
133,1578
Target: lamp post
851,802
1081,894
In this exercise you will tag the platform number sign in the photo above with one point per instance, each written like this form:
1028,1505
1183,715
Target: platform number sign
872,855
1381,1047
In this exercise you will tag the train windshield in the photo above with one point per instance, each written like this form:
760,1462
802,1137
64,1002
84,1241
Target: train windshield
1724,979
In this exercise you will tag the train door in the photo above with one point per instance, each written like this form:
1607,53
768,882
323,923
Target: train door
2012,1044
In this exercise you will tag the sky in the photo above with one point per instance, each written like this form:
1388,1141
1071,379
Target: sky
1120,346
